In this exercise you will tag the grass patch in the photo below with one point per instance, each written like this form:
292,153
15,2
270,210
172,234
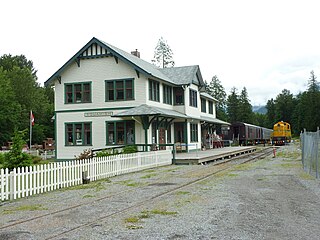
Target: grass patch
88,196
134,227
96,185
37,207
306,176
130,183
149,176
182,193
132,220
162,212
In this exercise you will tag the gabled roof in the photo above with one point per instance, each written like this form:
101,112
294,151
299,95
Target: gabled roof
146,110
175,75
184,75
206,95
138,64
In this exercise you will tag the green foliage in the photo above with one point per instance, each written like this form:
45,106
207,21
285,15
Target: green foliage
19,93
1,158
15,157
233,105
129,149
104,153
163,54
216,90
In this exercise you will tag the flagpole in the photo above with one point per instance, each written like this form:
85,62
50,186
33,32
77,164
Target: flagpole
30,129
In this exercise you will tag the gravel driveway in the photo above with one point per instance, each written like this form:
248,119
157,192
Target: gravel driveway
268,199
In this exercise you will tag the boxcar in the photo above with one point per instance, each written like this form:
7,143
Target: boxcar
249,134
281,133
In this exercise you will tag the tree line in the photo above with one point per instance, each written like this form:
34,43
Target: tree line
20,93
301,111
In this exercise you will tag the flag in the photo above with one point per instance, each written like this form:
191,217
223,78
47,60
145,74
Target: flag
31,118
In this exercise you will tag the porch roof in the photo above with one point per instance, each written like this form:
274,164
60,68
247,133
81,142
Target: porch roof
214,120
146,110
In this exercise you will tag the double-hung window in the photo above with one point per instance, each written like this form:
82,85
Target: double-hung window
78,92
193,98
119,90
210,107
154,91
203,105
167,94
78,134
178,94
194,132
120,132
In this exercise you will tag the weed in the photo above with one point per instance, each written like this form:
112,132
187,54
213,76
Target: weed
36,207
162,212
182,193
96,185
134,227
306,176
88,196
132,220
149,175
130,183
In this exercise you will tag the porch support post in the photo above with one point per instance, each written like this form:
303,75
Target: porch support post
145,124
186,134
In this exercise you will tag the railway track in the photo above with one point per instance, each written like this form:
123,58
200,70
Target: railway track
201,174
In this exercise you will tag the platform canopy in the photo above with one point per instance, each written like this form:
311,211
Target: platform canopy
146,110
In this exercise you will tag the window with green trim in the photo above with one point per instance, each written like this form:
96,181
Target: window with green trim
178,94
210,107
167,94
194,132
203,105
193,98
78,134
119,90
78,92
154,91
120,132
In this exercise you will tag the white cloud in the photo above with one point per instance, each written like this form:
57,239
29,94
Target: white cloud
265,46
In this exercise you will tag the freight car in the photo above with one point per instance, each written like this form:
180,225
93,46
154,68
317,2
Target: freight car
281,133
248,134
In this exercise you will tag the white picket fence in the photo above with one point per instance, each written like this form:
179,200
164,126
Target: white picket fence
27,181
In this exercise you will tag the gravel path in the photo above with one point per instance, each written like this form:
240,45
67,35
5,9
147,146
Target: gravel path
268,199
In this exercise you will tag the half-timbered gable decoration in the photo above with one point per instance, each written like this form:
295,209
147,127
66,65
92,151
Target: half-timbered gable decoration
105,96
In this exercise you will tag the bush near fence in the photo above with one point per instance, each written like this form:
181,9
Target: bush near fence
310,146
27,181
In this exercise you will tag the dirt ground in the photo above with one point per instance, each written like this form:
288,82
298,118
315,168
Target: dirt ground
271,198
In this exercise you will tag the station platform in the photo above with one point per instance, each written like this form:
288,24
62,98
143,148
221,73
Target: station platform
200,157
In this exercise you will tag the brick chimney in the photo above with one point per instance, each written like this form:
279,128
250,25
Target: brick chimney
136,53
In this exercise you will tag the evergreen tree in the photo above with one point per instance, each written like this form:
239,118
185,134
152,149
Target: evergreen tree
245,108
216,90
163,55
284,106
313,85
271,113
233,106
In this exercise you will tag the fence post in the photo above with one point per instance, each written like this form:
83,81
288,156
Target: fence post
13,184
316,153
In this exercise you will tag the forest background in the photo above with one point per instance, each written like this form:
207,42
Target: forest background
20,92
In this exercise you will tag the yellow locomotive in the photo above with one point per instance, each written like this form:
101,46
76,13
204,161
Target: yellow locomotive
281,133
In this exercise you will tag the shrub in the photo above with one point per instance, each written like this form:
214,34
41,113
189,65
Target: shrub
17,158
86,154
1,158
104,153
129,149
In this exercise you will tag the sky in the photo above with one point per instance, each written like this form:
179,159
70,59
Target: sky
263,45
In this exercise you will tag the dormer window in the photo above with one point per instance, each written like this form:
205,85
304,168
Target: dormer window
178,96
193,98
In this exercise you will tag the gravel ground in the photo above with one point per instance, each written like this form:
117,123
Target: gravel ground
268,199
